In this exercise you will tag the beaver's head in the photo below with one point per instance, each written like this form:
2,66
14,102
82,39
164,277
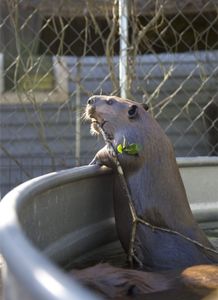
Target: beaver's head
112,113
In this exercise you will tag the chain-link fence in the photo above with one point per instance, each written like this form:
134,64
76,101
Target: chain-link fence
54,54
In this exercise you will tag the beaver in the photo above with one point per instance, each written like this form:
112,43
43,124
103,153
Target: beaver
155,185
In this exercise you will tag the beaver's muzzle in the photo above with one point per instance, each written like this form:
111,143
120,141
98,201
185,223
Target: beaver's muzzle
90,111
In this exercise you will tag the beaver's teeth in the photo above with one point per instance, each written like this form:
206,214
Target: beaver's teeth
94,121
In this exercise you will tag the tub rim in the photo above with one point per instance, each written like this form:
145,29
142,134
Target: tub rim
38,266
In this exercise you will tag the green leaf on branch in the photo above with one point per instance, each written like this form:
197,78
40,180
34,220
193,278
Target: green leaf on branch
120,148
132,149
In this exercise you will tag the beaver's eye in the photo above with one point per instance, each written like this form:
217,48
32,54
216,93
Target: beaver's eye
110,102
132,112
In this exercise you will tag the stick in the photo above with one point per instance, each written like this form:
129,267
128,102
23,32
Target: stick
135,218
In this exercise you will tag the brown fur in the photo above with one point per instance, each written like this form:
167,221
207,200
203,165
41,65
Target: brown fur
117,282
159,197
155,185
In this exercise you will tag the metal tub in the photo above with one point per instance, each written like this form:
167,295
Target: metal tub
58,217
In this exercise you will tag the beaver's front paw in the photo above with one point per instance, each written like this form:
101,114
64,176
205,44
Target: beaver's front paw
96,161
103,157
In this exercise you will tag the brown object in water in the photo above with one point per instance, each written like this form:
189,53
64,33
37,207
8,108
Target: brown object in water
155,185
201,278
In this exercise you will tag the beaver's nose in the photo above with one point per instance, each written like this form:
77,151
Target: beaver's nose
91,100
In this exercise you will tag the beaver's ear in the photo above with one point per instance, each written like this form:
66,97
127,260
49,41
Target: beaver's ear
145,106
133,111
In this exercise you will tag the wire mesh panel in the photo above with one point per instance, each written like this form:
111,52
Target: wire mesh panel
55,54
176,51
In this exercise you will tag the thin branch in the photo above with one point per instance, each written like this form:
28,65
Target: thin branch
135,219
8,154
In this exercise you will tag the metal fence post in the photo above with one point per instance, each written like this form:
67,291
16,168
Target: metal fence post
123,59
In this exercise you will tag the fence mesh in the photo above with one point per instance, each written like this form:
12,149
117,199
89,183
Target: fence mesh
55,54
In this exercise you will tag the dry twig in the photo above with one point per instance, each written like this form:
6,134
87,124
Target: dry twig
135,219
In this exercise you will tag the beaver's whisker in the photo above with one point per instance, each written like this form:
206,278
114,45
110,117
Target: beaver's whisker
84,116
